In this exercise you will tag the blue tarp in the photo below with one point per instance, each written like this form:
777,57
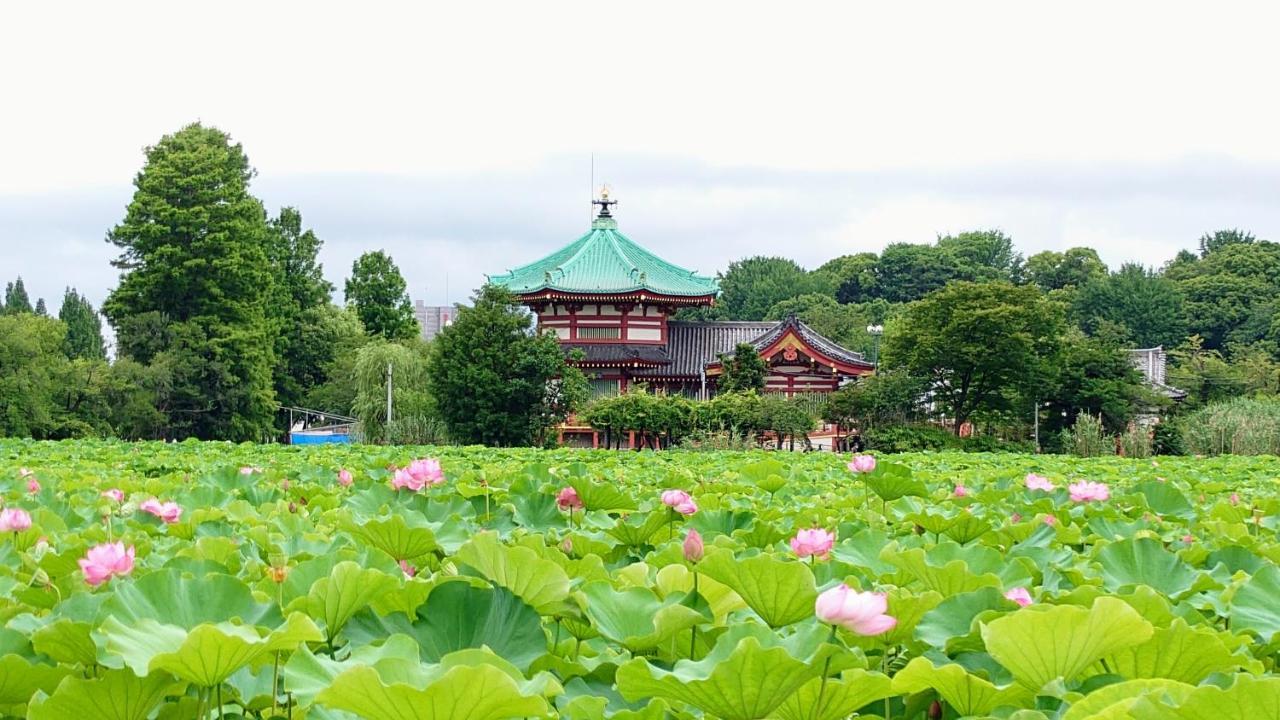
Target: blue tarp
317,438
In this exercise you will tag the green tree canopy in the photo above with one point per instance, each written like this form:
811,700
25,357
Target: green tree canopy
1093,376
984,255
495,381
1072,268
844,323
377,291
195,284
745,371
298,307
1209,242
976,343
1225,288
16,299
908,272
751,286
84,327
1148,306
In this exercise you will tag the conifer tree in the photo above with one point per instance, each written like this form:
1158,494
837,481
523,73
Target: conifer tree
196,283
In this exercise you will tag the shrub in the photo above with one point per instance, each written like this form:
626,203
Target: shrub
1088,438
1242,426
1135,442
1166,439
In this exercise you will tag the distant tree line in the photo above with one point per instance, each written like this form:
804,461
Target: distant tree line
222,315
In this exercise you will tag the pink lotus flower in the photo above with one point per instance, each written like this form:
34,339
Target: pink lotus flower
345,478
105,560
816,542
14,520
167,511
404,479
408,570
961,491
33,485
567,499
1085,491
249,470
1188,538
672,498
860,612
23,472
693,546
1235,498
1015,518
1038,482
1019,595
566,546
114,495
1050,520
862,463
426,471
687,508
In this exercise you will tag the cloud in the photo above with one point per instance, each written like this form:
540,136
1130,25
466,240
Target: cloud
457,229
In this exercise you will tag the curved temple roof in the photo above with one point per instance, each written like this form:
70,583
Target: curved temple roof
604,261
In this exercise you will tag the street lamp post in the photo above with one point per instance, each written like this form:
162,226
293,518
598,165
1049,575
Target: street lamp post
875,331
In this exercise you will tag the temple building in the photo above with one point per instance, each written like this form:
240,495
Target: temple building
613,300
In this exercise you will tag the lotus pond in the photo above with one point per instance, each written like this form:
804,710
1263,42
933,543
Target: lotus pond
206,580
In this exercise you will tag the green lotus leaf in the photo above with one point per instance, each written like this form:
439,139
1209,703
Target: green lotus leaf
1114,701
347,590
837,699
539,582
890,481
464,692
170,598
721,599
638,529
954,616
1040,644
938,570
20,678
769,475
1255,605
112,695
780,591
1143,561
635,617
1164,498
1178,652
205,655
746,676
67,641
863,550
931,522
396,537
458,615
967,693
307,674
605,497
1248,698
967,528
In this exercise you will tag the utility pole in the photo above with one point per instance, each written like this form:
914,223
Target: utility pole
388,394
1036,409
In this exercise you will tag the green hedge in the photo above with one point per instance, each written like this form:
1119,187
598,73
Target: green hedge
916,438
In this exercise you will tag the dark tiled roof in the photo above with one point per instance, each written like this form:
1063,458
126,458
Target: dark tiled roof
620,353
692,344
810,336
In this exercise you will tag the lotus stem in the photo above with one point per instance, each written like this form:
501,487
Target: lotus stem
693,639
822,686
275,682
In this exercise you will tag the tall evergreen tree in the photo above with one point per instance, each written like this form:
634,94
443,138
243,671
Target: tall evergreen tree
301,292
16,299
195,258
377,291
41,310
84,328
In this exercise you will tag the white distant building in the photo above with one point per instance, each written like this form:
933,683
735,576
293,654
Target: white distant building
1151,362
432,318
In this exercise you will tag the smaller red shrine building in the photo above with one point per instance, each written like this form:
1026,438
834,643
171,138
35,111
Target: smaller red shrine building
608,297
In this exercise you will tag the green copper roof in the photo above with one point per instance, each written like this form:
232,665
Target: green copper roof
605,261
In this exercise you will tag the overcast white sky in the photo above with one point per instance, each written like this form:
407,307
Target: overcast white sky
457,136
